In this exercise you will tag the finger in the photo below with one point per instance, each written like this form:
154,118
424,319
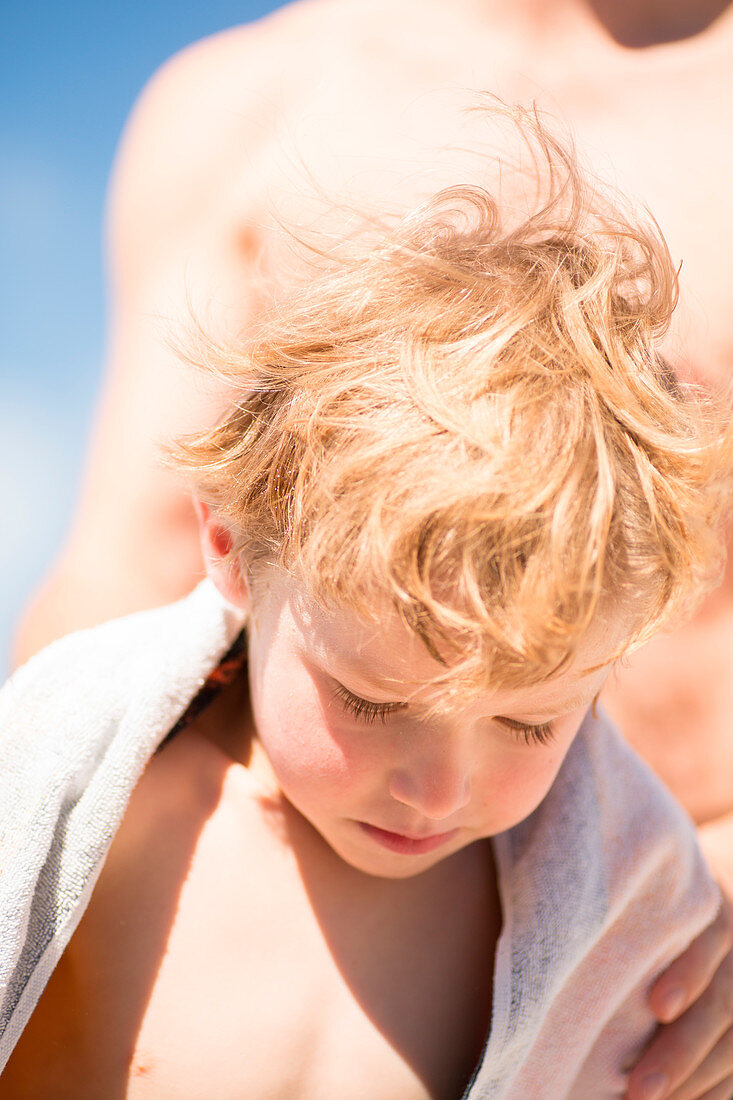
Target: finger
713,1071
722,1092
689,976
680,1047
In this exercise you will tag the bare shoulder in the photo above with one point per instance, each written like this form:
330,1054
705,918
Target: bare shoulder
219,100
150,856
90,1012
210,105
177,141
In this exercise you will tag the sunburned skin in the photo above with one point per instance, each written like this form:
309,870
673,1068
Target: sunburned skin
266,943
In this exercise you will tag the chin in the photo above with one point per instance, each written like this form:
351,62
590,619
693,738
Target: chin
381,869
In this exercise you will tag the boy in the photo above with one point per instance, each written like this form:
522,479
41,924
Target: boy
458,482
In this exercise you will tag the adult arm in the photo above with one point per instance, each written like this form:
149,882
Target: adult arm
177,237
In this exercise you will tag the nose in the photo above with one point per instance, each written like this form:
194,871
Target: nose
437,784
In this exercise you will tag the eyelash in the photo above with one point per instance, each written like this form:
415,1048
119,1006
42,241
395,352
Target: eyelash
367,711
364,709
533,735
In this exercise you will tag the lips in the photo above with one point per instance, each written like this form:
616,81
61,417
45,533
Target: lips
405,844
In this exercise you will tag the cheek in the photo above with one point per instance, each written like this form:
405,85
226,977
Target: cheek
518,783
308,758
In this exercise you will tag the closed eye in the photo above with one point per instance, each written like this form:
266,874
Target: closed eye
540,734
369,712
365,709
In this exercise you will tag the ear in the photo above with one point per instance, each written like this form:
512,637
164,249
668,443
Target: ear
216,542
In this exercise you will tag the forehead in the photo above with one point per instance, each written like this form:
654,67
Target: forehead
382,654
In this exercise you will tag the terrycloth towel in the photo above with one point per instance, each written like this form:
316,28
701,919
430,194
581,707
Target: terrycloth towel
601,886
78,723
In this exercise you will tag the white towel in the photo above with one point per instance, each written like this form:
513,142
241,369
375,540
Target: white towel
77,725
601,886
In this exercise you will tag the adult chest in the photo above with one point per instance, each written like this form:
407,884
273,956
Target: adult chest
223,962
386,122
659,133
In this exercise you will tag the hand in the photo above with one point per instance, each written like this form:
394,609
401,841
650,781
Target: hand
691,1055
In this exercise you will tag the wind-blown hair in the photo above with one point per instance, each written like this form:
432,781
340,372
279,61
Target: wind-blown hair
471,418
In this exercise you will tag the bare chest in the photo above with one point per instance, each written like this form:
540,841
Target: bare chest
387,117
657,133
196,974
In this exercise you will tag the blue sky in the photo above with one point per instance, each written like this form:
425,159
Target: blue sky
69,74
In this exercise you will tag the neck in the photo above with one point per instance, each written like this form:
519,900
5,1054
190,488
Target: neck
654,22
633,24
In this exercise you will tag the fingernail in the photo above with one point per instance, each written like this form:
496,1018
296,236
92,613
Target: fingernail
654,1086
672,1003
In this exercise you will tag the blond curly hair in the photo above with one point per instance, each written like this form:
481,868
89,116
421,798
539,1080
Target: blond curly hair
470,417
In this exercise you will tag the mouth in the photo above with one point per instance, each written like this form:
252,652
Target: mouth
404,844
